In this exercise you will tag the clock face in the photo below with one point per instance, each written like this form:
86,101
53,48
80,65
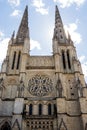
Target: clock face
40,85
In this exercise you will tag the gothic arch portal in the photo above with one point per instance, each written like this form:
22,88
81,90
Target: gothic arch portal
5,126
86,126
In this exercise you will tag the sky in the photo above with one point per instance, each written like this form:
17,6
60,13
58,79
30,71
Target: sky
41,24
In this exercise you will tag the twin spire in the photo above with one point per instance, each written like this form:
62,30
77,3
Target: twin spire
59,33
23,31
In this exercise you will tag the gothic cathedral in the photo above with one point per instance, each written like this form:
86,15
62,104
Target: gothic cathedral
42,92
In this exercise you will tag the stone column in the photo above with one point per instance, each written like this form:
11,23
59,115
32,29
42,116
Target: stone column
45,110
27,109
35,109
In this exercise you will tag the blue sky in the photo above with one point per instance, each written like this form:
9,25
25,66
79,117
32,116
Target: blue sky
41,24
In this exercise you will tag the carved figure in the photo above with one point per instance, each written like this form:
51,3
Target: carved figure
21,89
59,88
80,88
1,86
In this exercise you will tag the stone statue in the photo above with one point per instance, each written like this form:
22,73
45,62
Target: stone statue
80,88
59,88
1,86
21,89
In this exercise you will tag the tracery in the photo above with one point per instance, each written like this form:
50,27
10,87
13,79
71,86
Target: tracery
40,85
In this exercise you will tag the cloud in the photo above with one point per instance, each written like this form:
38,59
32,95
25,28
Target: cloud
42,11
16,13
1,35
82,58
84,68
38,3
14,2
3,47
34,44
75,36
40,7
83,61
67,3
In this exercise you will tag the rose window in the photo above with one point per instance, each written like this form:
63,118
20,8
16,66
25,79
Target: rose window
40,85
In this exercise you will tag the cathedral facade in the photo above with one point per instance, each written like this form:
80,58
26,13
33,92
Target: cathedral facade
42,92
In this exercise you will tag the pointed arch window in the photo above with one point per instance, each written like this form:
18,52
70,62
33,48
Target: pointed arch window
86,126
63,59
5,126
60,30
18,61
40,109
49,109
14,57
68,58
61,37
30,109
24,109
55,110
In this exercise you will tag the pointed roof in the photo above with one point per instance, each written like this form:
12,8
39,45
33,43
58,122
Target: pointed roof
23,30
59,33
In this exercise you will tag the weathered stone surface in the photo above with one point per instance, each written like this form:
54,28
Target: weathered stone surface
40,62
83,105
73,108
61,103
18,105
17,122
6,108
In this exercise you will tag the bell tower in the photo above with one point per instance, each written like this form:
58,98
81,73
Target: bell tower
18,48
68,73
63,48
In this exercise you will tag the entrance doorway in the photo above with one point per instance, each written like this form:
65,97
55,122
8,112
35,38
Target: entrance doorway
6,126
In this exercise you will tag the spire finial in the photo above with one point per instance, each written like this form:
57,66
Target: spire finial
59,32
13,34
23,28
12,37
69,38
56,9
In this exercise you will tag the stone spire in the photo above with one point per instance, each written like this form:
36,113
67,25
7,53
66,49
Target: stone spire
59,33
23,31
